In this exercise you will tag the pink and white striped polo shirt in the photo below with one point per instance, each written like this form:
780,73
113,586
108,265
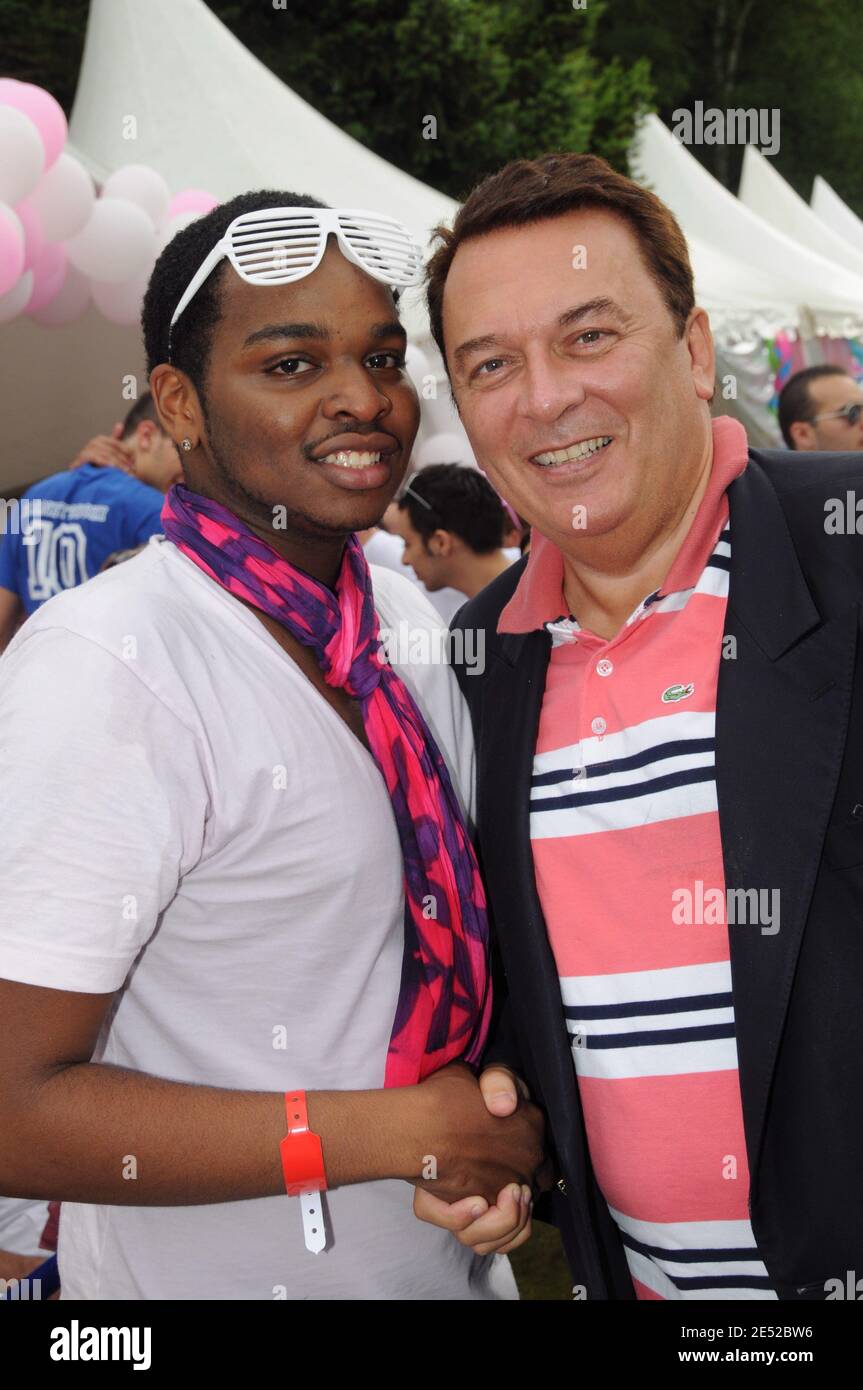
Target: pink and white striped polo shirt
626,847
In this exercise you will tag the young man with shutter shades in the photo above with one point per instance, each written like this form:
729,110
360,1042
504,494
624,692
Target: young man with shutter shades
224,818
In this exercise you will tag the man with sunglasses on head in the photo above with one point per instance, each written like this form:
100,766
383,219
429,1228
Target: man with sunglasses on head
453,524
243,937
821,411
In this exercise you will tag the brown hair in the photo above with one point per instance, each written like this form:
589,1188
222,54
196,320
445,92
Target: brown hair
533,190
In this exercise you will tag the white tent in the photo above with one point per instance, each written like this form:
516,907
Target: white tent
164,83
807,290
766,192
208,114
829,207
740,299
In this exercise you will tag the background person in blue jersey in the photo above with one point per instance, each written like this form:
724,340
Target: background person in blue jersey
84,515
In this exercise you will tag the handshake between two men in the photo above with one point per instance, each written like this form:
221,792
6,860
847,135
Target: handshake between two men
483,1191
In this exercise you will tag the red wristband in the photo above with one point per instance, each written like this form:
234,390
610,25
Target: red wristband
301,1150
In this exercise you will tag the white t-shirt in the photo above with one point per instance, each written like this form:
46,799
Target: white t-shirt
22,1222
186,821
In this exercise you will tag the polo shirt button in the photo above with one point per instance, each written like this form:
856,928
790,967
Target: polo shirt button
598,725
604,667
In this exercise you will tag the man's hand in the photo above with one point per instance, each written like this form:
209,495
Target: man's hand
473,1150
14,1266
108,451
506,1224
501,1090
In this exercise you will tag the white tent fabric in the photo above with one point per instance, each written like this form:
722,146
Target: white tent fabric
741,300
829,207
808,291
207,114
766,192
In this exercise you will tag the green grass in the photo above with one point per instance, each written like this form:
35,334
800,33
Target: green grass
540,1268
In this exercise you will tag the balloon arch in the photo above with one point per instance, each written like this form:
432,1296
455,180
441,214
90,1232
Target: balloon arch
63,245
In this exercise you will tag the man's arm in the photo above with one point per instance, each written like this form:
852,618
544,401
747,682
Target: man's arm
106,450
70,1128
106,795
11,612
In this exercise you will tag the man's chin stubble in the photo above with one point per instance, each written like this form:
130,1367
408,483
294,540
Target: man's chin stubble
279,517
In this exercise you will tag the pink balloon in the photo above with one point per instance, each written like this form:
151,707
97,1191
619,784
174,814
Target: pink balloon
192,200
34,238
68,304
11,248
44,111
12,303
49,272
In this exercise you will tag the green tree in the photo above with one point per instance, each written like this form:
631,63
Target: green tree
502,79
42,41
756,53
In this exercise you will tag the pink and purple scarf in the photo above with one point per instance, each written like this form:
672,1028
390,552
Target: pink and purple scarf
445,997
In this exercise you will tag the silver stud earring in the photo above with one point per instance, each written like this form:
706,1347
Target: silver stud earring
187,445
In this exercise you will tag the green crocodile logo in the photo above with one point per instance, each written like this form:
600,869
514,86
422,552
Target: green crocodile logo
677,692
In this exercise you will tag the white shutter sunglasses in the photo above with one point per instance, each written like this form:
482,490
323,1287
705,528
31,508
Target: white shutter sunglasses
276,246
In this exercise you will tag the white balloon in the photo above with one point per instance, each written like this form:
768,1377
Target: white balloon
172,227
12,244
445,448
117,243
69,302
13,302
64,199
143,186
22,155
120,303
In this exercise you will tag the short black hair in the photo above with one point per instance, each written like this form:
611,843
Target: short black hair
451,497
795,403
191,339
143,409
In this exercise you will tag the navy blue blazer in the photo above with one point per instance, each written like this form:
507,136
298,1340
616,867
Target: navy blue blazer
789,777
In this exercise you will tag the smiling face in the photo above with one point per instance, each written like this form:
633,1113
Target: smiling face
583,405
308,407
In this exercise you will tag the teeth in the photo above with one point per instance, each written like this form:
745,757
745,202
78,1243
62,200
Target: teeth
576,451
350,458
